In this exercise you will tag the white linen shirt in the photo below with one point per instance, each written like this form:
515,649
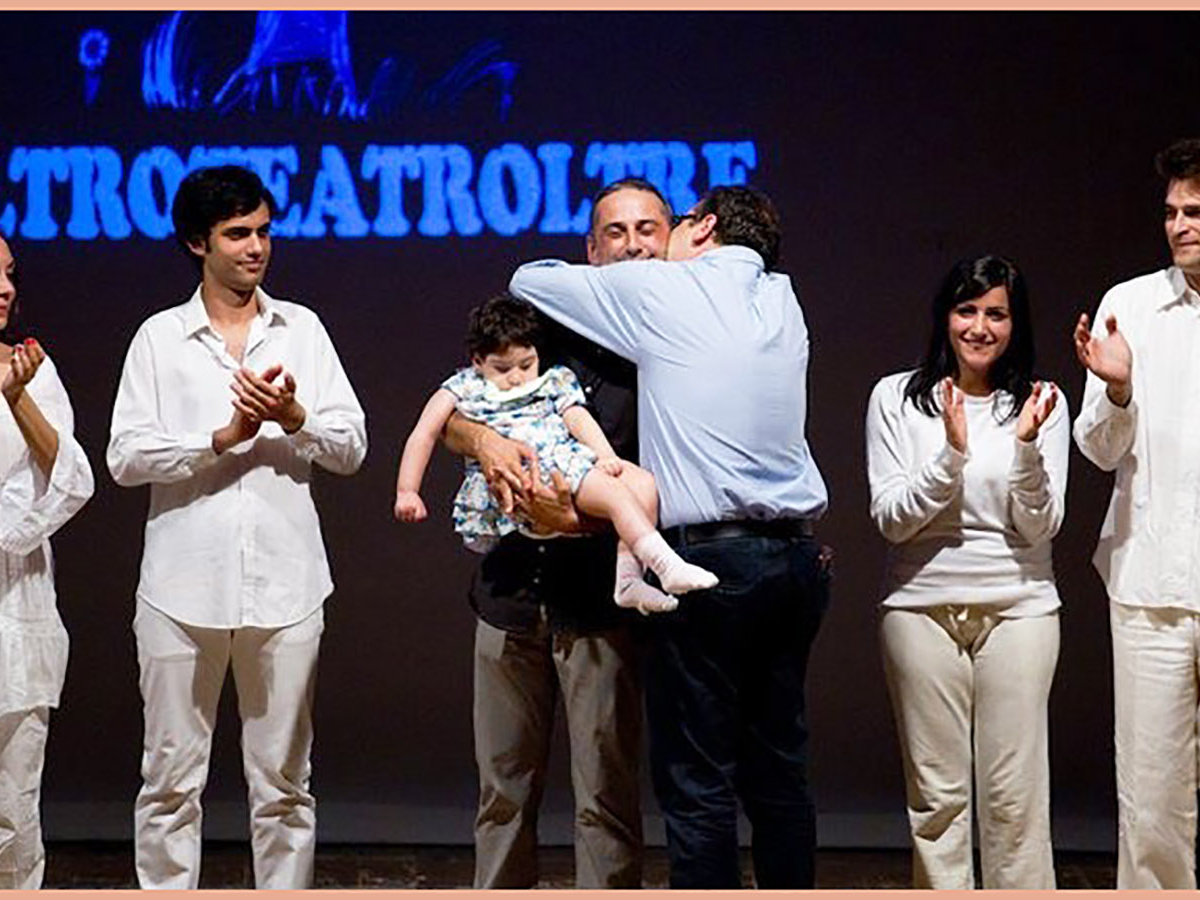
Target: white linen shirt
966,529
33,641
1149,548
231,540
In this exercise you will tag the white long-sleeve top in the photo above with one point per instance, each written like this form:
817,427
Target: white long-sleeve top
231,540
970,528
33,641
1149,548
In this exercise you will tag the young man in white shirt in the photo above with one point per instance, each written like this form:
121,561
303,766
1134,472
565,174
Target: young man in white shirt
1139,418
224,404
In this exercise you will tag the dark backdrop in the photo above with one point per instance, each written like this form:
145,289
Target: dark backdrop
893,144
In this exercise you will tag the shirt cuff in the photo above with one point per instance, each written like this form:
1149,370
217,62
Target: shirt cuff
1109,410
307,439
951,461
1028,453
199,447
1027,460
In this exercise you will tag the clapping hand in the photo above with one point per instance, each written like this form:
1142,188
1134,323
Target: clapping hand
1108,358
256,400
241,427
22,366
1038,406
259,397
954,416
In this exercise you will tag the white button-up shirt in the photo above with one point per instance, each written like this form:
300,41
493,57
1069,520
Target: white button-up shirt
33,641
234,539
1149,548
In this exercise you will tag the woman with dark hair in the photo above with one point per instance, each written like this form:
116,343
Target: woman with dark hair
968,468
44,480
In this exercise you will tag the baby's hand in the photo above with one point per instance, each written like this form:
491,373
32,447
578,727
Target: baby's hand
610,465
409,507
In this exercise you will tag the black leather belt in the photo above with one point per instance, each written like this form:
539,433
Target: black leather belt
681,535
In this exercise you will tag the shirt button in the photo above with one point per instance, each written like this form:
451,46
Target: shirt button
541,548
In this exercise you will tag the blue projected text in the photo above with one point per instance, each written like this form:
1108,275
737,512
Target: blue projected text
382,190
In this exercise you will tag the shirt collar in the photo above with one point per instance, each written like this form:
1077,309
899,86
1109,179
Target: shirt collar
1181,291
195,316
739,252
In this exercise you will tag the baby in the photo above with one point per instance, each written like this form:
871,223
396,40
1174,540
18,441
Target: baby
503,390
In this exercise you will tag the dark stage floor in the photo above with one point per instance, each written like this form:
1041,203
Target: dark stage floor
227,865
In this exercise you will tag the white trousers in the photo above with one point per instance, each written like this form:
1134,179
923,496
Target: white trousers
969,692
22,752
1155,664
182,670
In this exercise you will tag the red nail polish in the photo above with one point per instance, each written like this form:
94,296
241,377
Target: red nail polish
30,341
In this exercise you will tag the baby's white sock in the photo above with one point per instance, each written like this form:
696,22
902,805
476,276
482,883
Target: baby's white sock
633,593
677,576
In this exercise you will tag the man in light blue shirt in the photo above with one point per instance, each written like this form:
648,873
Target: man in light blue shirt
722,353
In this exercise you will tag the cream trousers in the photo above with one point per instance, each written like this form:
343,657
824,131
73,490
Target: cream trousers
969,692
182,670
517,680
1156,652
22,751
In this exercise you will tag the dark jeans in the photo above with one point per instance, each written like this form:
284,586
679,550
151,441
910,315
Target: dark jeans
725,702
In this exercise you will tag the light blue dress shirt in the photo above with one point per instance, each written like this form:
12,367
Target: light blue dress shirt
722,354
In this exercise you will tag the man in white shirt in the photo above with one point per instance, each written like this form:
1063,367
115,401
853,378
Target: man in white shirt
225,402
1140,418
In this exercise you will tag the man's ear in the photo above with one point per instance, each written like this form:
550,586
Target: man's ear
198,247
705,229
591,249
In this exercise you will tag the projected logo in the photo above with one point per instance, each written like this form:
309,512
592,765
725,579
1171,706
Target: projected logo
512,188
301,62
295,72
93,51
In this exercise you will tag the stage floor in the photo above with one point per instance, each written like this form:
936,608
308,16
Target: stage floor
227,865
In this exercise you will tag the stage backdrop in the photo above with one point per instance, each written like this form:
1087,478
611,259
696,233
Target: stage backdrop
418,159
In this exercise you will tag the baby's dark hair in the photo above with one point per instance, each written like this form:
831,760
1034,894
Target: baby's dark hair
503,321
